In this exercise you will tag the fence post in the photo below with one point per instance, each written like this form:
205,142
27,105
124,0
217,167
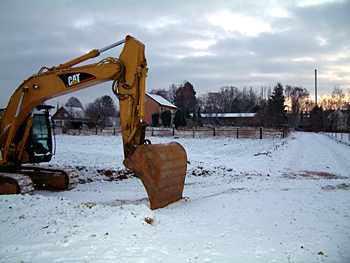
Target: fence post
214,132
152,132
173,131
237,133
193,132
260,133
96,129
113,130
283,133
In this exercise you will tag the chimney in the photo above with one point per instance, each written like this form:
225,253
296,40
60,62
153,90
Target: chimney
315,87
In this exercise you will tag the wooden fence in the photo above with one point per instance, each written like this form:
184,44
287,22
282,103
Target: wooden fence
93,131
236,132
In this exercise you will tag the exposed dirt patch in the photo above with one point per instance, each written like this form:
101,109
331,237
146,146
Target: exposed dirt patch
312,175
320,174
200,171
148,220
89,205
113,175
336,187
89,174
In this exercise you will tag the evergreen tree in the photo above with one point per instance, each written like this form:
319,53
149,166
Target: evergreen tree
155,119
316,119
185,98
276,108
165,115
179,119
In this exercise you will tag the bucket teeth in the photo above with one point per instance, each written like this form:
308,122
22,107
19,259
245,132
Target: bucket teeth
162,170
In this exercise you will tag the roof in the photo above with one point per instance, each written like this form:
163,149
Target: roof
76,112
161,100
229,115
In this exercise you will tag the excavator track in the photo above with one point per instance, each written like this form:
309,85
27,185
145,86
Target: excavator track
29,178
52,179
11,183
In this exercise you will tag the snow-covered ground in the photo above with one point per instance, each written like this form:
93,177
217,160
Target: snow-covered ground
281,200
341,137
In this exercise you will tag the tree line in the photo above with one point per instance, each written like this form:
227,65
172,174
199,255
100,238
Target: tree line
281,106
277,107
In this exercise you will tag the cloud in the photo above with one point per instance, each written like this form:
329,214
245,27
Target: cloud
209,43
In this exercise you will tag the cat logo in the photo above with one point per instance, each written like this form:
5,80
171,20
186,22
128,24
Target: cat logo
72,79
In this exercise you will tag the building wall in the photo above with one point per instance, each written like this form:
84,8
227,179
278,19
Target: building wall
230,121
62,118
151,106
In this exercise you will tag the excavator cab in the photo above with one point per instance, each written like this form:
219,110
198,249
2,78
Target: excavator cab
38,145
39,141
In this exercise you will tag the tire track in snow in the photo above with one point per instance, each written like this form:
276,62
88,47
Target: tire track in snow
310,148
343,158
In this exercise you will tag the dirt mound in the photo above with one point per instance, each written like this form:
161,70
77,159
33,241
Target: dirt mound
89,174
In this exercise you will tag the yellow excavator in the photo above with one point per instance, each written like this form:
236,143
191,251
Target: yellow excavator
25,134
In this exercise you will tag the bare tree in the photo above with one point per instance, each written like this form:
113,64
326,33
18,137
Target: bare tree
171,92
226,98
336,101
100,110
210,102
338,97
298,97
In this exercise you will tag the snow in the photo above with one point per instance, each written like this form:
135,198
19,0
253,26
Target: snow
340,137
229,115
161,100
271,200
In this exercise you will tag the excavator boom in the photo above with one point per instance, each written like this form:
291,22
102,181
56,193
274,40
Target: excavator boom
161,168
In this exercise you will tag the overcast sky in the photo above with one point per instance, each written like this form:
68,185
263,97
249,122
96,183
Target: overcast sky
208,43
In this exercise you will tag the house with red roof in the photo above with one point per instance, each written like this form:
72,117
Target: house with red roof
157,104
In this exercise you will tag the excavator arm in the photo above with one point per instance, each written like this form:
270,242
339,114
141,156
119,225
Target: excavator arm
161,168
128,74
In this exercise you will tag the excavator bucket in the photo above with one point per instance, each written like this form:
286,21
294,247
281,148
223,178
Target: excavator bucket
162,170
